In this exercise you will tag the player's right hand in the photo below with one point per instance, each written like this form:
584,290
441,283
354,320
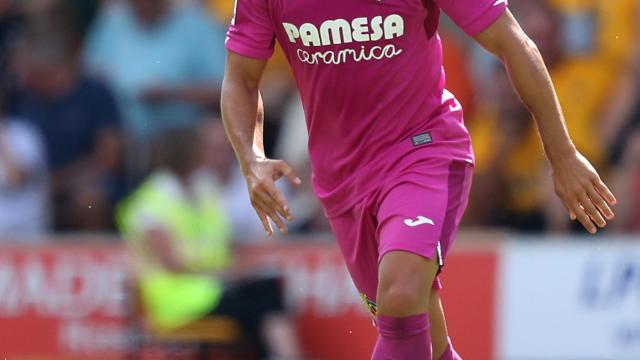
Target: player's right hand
266,198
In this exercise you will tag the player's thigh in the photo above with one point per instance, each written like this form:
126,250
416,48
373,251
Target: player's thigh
438,330
404,283
417,220
355,233
421,211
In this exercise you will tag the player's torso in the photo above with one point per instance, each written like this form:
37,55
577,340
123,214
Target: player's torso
369,73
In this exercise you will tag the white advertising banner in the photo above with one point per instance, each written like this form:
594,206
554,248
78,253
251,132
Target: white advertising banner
562,300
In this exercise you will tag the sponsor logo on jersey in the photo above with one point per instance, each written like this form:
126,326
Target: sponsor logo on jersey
361,30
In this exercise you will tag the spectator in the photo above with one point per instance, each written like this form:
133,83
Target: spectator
621,132
165,63
627,181
509,165
179,234
11,21
83,15
23,181
78,120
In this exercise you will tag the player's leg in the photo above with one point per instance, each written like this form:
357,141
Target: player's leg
404,283
439,334
440,342
355,233
418,218
404,289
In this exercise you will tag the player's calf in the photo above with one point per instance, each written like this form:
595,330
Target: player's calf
439,334
440,341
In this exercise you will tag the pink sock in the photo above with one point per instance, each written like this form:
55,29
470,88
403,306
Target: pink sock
450,354
403,338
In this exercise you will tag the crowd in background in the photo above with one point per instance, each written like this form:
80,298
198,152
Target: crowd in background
90,90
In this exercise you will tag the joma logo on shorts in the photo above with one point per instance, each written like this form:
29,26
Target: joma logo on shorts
341,31
422,220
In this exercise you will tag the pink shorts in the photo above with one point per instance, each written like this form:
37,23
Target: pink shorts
417,211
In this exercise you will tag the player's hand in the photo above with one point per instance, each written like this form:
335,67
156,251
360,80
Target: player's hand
266,198
583,193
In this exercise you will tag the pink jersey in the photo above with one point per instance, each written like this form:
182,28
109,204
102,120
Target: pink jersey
371,80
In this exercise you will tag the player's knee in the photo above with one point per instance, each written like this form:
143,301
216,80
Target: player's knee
404,284
401,298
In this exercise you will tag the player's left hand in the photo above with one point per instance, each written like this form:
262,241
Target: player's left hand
582,192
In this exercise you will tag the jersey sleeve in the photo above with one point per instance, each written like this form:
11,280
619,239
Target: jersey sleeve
251,32
473,16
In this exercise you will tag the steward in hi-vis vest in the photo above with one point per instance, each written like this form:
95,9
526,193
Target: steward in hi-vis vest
201,234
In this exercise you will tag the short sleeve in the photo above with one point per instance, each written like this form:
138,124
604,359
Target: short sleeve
251,32
473,16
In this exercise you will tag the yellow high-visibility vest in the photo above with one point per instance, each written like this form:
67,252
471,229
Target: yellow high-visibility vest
200,232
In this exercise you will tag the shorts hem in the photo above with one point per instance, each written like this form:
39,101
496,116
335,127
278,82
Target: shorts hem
429,254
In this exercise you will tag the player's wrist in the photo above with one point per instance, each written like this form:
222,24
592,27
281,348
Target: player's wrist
561,153
250,161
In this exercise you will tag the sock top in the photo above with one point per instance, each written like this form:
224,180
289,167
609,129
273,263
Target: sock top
399,327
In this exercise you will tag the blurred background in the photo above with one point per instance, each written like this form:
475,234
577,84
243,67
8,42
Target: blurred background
121,200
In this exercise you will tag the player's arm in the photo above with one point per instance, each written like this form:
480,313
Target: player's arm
243,117
576,182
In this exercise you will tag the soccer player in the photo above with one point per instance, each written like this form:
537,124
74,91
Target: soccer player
391,158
